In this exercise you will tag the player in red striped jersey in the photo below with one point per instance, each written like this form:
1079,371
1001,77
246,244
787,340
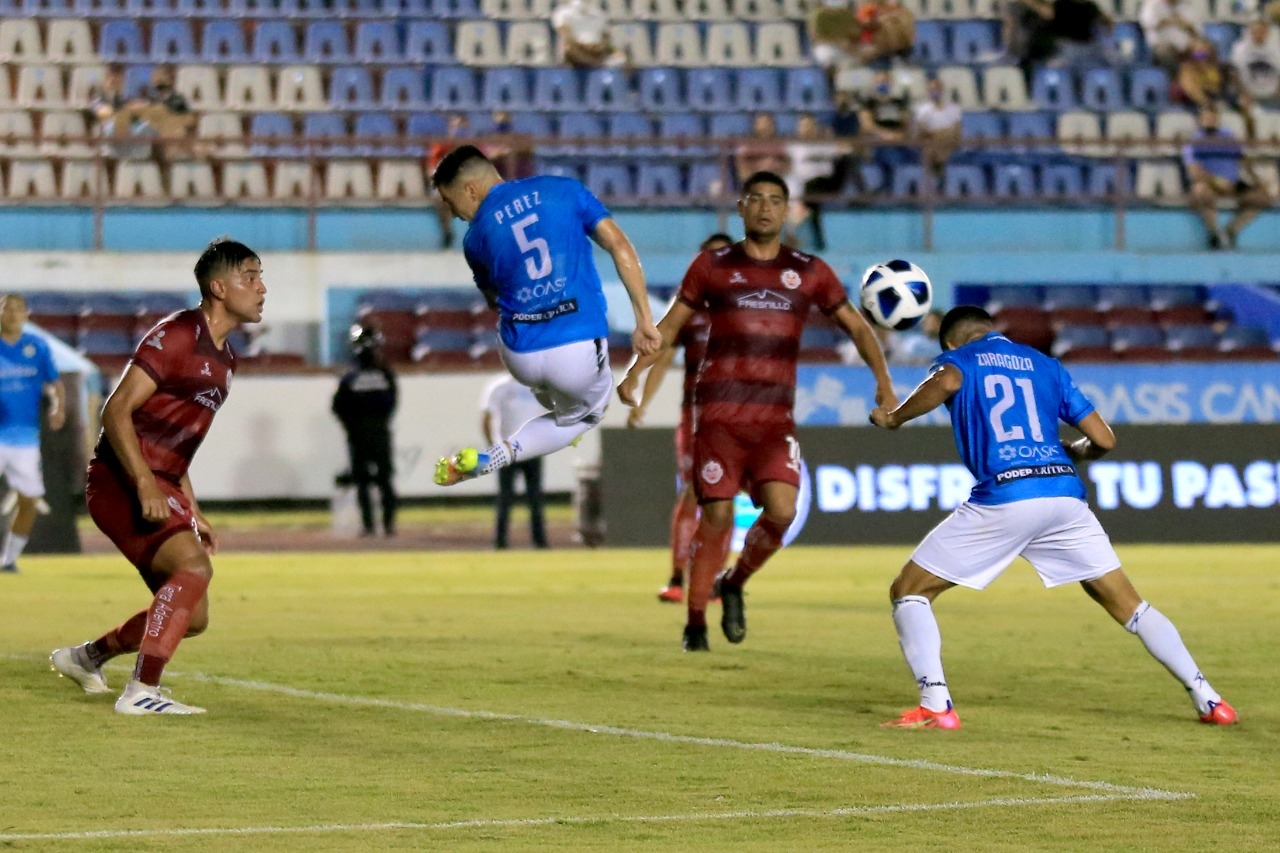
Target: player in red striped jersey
138,491
758,294
684,516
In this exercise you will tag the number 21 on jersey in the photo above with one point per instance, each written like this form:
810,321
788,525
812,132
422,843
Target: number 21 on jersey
1000,389
539,267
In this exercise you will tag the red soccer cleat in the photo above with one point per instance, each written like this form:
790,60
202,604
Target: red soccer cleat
671,594
922,718
1219,714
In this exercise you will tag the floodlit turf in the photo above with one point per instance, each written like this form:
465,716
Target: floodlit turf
539,701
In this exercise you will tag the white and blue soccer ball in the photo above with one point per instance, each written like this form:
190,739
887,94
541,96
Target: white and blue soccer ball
896,294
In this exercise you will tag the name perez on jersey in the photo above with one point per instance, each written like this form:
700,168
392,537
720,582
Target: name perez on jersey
517,206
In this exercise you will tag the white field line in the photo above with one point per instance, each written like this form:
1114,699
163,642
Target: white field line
524,823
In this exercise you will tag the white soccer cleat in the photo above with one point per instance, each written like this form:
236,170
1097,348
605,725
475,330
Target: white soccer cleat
72,663
141,700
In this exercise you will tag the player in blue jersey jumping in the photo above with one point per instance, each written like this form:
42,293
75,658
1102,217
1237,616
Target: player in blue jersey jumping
1005,401
528,248
27,377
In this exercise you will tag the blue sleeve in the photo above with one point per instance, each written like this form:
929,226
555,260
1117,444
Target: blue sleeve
48,370
591,209
941,361
479,269
1075,406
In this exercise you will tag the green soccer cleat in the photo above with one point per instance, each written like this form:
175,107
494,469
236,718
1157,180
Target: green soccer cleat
462,466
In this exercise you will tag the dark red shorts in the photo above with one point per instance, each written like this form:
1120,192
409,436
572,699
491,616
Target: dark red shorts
729,458
684,450
113,505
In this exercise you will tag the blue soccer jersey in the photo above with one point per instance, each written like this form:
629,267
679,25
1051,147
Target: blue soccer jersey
528,245
1005,419
25,367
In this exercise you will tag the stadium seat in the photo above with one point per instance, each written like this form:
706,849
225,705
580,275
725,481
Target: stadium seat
201,86
806,89
99,8
631,134
727,125
1236,338
223,41
909,181
530,43
69,41
1164,297
191,180
225,131
610,180
505,88
275,41
456,9
959,86
676,130
1004,88
105,342
679,44
659,89
1101,90
930,47
322,131
963,182
1026,325
728,44
537,125
427,42
708,89
1130,130
17,132
1126,40
557,89
708,179
380,126
658,180
244,179
137,179
404,88
982,125
577,126
778,45
478,43
1111,296
516,10
300,88
41,87
454,88
1130,336
348,179
1000,298
63,134
973,39
1061,296
1198,337
30,179
1148,88
1159,181
1082,343
1014,180
248,88
1223,34
1031,125
271,135
1107,180
351,88
118,41
1079,132
1053,89
378,42
401,178
757,90
608,89
632,37
442,347
325,42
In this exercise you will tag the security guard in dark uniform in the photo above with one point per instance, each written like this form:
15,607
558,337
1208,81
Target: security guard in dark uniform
364,403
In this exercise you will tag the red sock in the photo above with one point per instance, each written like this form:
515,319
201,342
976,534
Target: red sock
120,640
762,542
684,522
710,544
167,622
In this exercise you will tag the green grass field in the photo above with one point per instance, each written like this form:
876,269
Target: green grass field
539,701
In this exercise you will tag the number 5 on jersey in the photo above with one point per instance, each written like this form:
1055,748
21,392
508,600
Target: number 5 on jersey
539,267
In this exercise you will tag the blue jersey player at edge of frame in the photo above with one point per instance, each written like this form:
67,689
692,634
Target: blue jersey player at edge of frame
528,245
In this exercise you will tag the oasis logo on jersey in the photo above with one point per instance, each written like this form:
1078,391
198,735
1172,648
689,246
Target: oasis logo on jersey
211,399
537,291
766,299
1009,452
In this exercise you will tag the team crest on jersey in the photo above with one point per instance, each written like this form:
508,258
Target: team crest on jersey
29,351
790,279
205,371
155,340
737,278
712,473
175,505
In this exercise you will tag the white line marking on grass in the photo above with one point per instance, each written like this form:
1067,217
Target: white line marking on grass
522,823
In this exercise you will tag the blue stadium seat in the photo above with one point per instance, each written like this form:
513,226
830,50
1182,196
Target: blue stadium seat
381,125
319,128
1106,179
83,8
326,41
1030,125
426,124
1053,89
531,123
908,181
1126,40
610,180
982,125
173,41
1122,296
930,46
150,8
1148,88
973,39
1062,181
676,127
658,180
275,41
708,178
1238,337
873,177
556,88
427,41
806,89
505,88
105,342
223,41
121,41
729,124
1013,180
351,88
659,89
201,8
1163,297
1084,340
1190,336
578,126
960,181
1000,297
443,346
1101,90
481,122
453,87
633,133
137,79
38,8
456,8
1129,336
1223,34
265,127
378,41
708,89
1070,296
757,89
607,89
404,88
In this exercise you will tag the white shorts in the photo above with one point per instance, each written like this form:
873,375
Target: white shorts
573,381
22,468
1060,537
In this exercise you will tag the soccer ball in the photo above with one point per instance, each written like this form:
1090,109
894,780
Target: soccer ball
896,294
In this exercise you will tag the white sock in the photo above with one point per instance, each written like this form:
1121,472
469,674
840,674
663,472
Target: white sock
13,545
1162,640
921,643
543,435
498,457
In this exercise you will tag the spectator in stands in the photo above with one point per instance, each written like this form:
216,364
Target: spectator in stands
888,31
168,115
918,345
763,152
884,120
1027,34
456,125
835,34
1256,60
106,99
936,126
1076,28
1168,27
583,28
1204,81
819,168
1217,169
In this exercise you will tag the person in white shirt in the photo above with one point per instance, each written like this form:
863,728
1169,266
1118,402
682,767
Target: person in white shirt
936,123
820,165
1168,27
583,29
506,405
1256,57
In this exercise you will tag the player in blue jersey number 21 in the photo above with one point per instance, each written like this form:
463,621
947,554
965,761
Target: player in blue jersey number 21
528,248
1005,401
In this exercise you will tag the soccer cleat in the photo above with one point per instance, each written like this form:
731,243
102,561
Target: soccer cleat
1219,714
71,663
671,593
921,717
9,568
462,466
695,639
733,617
142,700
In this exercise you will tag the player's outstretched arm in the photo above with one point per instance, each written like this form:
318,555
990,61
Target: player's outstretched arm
117,424
652,382
868,345
57,412
645,339
1098,439
672,322
941,385
208,538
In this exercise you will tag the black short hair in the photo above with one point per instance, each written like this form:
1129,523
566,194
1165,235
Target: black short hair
718,237
453,162
765,177
219,256
960,318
